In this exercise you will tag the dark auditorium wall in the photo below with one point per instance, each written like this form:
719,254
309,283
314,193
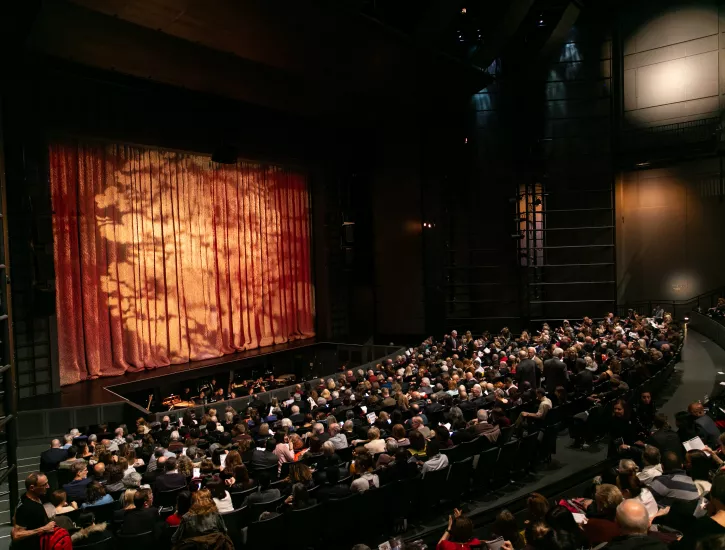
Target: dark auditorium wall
398,245
670,196
547,121
671,231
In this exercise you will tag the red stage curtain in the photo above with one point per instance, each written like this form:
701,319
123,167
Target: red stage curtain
165,257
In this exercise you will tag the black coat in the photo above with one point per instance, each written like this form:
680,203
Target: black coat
50,458
555,374
667,440
526,372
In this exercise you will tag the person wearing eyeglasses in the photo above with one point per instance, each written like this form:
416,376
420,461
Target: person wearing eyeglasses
30,519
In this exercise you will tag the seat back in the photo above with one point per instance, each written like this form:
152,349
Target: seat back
505,435
459,478
256,509
104,512
140,541
64,476
340,508
454,453
527,452
485,467
435,486
506,460
239,496
345,454
236,521
268,533
167,498
270,472
109,543
52,480
301,520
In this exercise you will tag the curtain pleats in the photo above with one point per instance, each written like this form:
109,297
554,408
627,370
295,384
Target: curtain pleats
163,258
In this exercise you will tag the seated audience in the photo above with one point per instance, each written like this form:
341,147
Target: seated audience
436,461
90,533
600,526
96,495
263,494
50,458
367,479
76,489
459,535
222,499
202,518
142,518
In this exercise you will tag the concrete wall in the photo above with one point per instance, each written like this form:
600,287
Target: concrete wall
670,231
672,62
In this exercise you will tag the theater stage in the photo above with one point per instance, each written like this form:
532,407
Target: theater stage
124,398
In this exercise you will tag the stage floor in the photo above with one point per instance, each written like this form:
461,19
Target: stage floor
100,391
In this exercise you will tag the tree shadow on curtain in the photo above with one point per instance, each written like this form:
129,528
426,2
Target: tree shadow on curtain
165,257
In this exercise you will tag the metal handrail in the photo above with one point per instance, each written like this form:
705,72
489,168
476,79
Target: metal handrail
706,299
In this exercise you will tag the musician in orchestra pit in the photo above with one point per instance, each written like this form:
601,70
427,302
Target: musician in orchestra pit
186,394
201,400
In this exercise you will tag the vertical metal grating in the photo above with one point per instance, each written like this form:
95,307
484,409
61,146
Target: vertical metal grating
8,395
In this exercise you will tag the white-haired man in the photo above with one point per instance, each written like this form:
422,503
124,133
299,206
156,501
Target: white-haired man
318,430
483,428
555,371
296,416
416,423
425,386
338,439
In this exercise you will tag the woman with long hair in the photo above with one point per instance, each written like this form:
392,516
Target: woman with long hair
233,460
300,498
506,527
399,435
622,433
201,519
241,480
96,495
300,472
631,487
221,496
566,533
459,535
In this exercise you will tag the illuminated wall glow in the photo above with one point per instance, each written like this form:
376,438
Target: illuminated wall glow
670,230
671,68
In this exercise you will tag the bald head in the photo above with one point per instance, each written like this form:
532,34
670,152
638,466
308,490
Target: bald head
632,517
696,409
55,444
